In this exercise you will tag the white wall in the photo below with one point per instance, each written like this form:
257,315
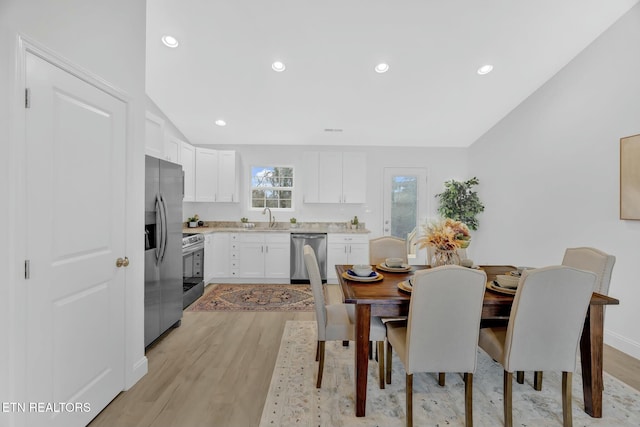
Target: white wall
549,172
107,39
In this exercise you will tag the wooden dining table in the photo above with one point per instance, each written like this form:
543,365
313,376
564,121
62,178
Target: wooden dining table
384,298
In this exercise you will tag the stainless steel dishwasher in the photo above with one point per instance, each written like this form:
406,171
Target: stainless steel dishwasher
318,241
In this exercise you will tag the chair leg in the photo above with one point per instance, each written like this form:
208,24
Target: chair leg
567,415
389,361
537,380
321,364
441,379
508,380
468,399
520,377
409,397
317,351
370,351
381,363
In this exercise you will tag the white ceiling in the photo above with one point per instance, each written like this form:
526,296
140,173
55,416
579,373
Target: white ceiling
431,95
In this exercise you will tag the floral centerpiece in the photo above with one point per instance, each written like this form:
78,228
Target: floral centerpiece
446,236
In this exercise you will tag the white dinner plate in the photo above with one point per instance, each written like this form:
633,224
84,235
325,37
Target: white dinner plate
375,278
405,267
493,286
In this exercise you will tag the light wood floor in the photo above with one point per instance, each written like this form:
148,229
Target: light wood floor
215,369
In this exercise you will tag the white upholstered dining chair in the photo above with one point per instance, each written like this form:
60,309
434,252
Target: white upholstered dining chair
336,322
594,260
441,333
588,259
385,247
544,329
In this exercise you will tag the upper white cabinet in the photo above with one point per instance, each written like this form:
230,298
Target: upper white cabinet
173,150
227,176
154,136
206,174
188,159
335,177
216,178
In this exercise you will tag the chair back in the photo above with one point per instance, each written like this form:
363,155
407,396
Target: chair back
594,260
444,319
387,247
546,319
311,262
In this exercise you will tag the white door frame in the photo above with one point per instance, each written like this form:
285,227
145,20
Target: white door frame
135,362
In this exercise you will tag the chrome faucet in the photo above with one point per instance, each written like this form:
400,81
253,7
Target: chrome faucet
272,219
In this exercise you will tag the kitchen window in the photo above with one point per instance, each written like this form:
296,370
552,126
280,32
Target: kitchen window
271,187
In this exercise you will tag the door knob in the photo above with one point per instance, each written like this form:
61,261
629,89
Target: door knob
122,262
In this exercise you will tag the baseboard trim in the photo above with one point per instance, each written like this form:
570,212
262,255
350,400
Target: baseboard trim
140,369
623,344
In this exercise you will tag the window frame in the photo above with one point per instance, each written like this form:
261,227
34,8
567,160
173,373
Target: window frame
273,166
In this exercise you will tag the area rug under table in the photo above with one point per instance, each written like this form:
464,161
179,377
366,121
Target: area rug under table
293,399
255,297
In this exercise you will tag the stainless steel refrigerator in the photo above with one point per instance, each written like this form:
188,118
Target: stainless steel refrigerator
163,248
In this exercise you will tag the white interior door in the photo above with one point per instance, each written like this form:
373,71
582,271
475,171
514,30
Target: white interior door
405,202
75,192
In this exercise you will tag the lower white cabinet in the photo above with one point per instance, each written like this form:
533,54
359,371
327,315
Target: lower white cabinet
217,257
264,255
345,249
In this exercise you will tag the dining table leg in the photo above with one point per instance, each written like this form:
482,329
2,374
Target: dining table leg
591,355
363,324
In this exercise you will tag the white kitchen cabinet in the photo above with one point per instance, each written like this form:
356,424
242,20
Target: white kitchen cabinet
188,158
173,150
264,255
345,248
206,174
216,175
227,176
208,267
335,177
154,136
217,256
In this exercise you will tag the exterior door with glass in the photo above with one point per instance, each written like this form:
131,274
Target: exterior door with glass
405,202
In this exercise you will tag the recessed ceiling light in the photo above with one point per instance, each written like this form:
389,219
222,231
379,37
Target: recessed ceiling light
485,69
382,68
220,122
278,66
170,41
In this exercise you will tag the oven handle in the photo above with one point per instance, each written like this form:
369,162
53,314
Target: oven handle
191,249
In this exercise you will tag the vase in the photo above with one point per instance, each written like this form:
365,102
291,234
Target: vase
442,257
193,224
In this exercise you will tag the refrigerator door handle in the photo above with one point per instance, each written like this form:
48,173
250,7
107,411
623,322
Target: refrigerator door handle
163,210
159,236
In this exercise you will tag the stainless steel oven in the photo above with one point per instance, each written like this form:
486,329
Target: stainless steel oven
192,267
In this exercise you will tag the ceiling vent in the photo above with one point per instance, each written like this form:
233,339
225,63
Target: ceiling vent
333,130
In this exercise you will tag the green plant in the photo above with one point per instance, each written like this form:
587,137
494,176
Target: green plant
244,220
293,220
194,218
459,202
354,221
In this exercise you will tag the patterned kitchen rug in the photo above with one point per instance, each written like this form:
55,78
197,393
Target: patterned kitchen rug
293,399
255,297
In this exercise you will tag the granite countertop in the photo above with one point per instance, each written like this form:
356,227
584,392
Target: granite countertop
281,227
